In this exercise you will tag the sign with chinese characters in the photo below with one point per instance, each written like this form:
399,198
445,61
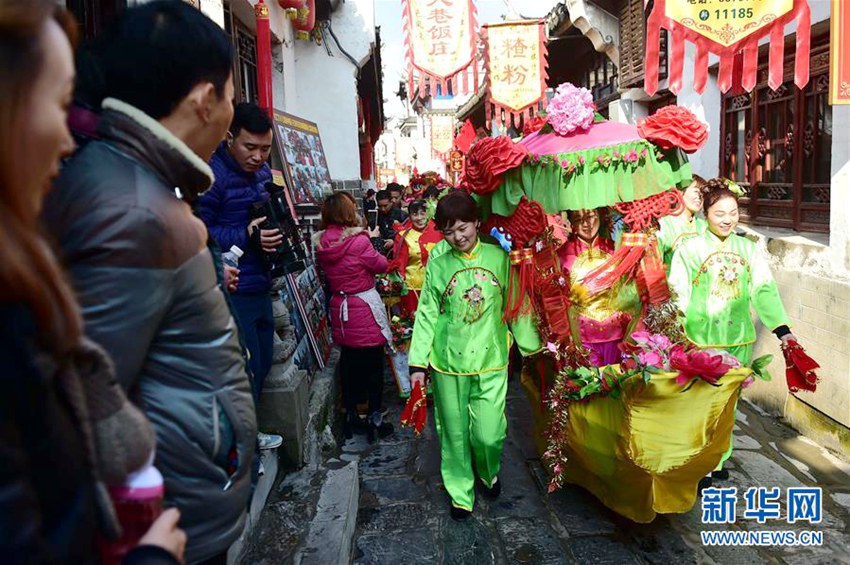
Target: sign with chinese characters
726,28
442,134
440,45
839,53
515,54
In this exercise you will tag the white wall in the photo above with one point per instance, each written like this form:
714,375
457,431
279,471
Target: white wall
706,106
326,87
839,221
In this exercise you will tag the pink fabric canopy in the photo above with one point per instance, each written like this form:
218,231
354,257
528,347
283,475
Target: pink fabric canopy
601,134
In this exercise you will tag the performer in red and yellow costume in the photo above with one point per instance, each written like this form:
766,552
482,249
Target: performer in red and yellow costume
599,322
410,253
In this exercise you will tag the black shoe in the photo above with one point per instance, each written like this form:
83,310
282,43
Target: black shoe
385,429
704,483
459,514
721,475
370,433
492,492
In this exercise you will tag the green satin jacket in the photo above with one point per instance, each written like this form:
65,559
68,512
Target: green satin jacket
716,282
459,328
674,230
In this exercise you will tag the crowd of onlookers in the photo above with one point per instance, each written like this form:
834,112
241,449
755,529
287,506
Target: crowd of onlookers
123,338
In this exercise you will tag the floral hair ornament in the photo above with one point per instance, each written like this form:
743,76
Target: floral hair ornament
571,109
736,188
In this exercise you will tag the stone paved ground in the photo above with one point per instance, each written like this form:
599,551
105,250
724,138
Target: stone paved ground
403,516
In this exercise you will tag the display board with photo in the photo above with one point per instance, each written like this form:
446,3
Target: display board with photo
304,156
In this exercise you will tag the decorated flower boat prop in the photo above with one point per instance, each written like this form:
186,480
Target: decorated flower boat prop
641,433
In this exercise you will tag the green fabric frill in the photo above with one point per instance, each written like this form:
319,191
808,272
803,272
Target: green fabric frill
592,178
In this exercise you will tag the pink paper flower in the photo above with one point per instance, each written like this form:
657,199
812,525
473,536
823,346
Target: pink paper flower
571,109
652,358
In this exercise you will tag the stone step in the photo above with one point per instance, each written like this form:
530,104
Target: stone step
269,460
331,531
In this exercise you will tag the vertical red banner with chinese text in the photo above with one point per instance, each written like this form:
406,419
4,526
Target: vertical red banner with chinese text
515,58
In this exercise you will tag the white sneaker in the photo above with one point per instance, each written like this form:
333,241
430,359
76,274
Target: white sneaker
269,441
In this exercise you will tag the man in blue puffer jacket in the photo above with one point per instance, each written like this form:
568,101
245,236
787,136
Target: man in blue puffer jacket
241,172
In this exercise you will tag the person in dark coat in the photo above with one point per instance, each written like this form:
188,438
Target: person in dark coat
140,263
241,173
60,402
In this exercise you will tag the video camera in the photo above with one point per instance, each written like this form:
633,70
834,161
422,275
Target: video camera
289,256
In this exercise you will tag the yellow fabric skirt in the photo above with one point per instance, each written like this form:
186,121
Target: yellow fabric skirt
644,452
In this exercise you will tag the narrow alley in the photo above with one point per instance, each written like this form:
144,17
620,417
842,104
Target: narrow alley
403,515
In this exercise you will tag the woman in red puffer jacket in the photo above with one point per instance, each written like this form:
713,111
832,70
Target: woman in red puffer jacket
358,316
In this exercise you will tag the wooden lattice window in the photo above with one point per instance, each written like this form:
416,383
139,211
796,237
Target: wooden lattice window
633,45
779,145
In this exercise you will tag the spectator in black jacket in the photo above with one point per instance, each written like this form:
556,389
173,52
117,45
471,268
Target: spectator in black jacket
388,215
53,461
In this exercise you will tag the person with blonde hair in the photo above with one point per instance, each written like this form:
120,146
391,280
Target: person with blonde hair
61,408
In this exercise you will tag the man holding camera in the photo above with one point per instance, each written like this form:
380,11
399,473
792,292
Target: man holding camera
241,172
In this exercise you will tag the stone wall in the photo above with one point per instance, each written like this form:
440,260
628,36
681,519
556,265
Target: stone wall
818,302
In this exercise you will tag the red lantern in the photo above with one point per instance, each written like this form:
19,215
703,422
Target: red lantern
290,4
306,19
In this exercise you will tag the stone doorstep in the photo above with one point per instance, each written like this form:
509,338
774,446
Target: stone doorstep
258,500
331,532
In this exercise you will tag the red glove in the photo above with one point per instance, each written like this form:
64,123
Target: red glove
799,368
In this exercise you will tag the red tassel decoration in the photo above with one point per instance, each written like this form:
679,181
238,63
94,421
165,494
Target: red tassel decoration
622,263
522,281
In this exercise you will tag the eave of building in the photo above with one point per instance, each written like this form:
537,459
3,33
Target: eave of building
598,25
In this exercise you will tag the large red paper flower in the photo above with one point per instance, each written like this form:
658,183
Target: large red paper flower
487,162
533,125
674,126
697,364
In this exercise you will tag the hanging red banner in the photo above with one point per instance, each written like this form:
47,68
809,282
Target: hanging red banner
839,53
442,134
515,58
439,39
725,28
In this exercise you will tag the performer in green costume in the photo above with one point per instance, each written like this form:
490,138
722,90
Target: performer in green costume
717,277
676,229
460,335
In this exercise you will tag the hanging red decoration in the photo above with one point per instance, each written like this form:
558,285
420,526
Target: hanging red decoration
726,29
440,45
306,19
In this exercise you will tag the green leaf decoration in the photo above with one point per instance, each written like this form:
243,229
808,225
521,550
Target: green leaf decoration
760,365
